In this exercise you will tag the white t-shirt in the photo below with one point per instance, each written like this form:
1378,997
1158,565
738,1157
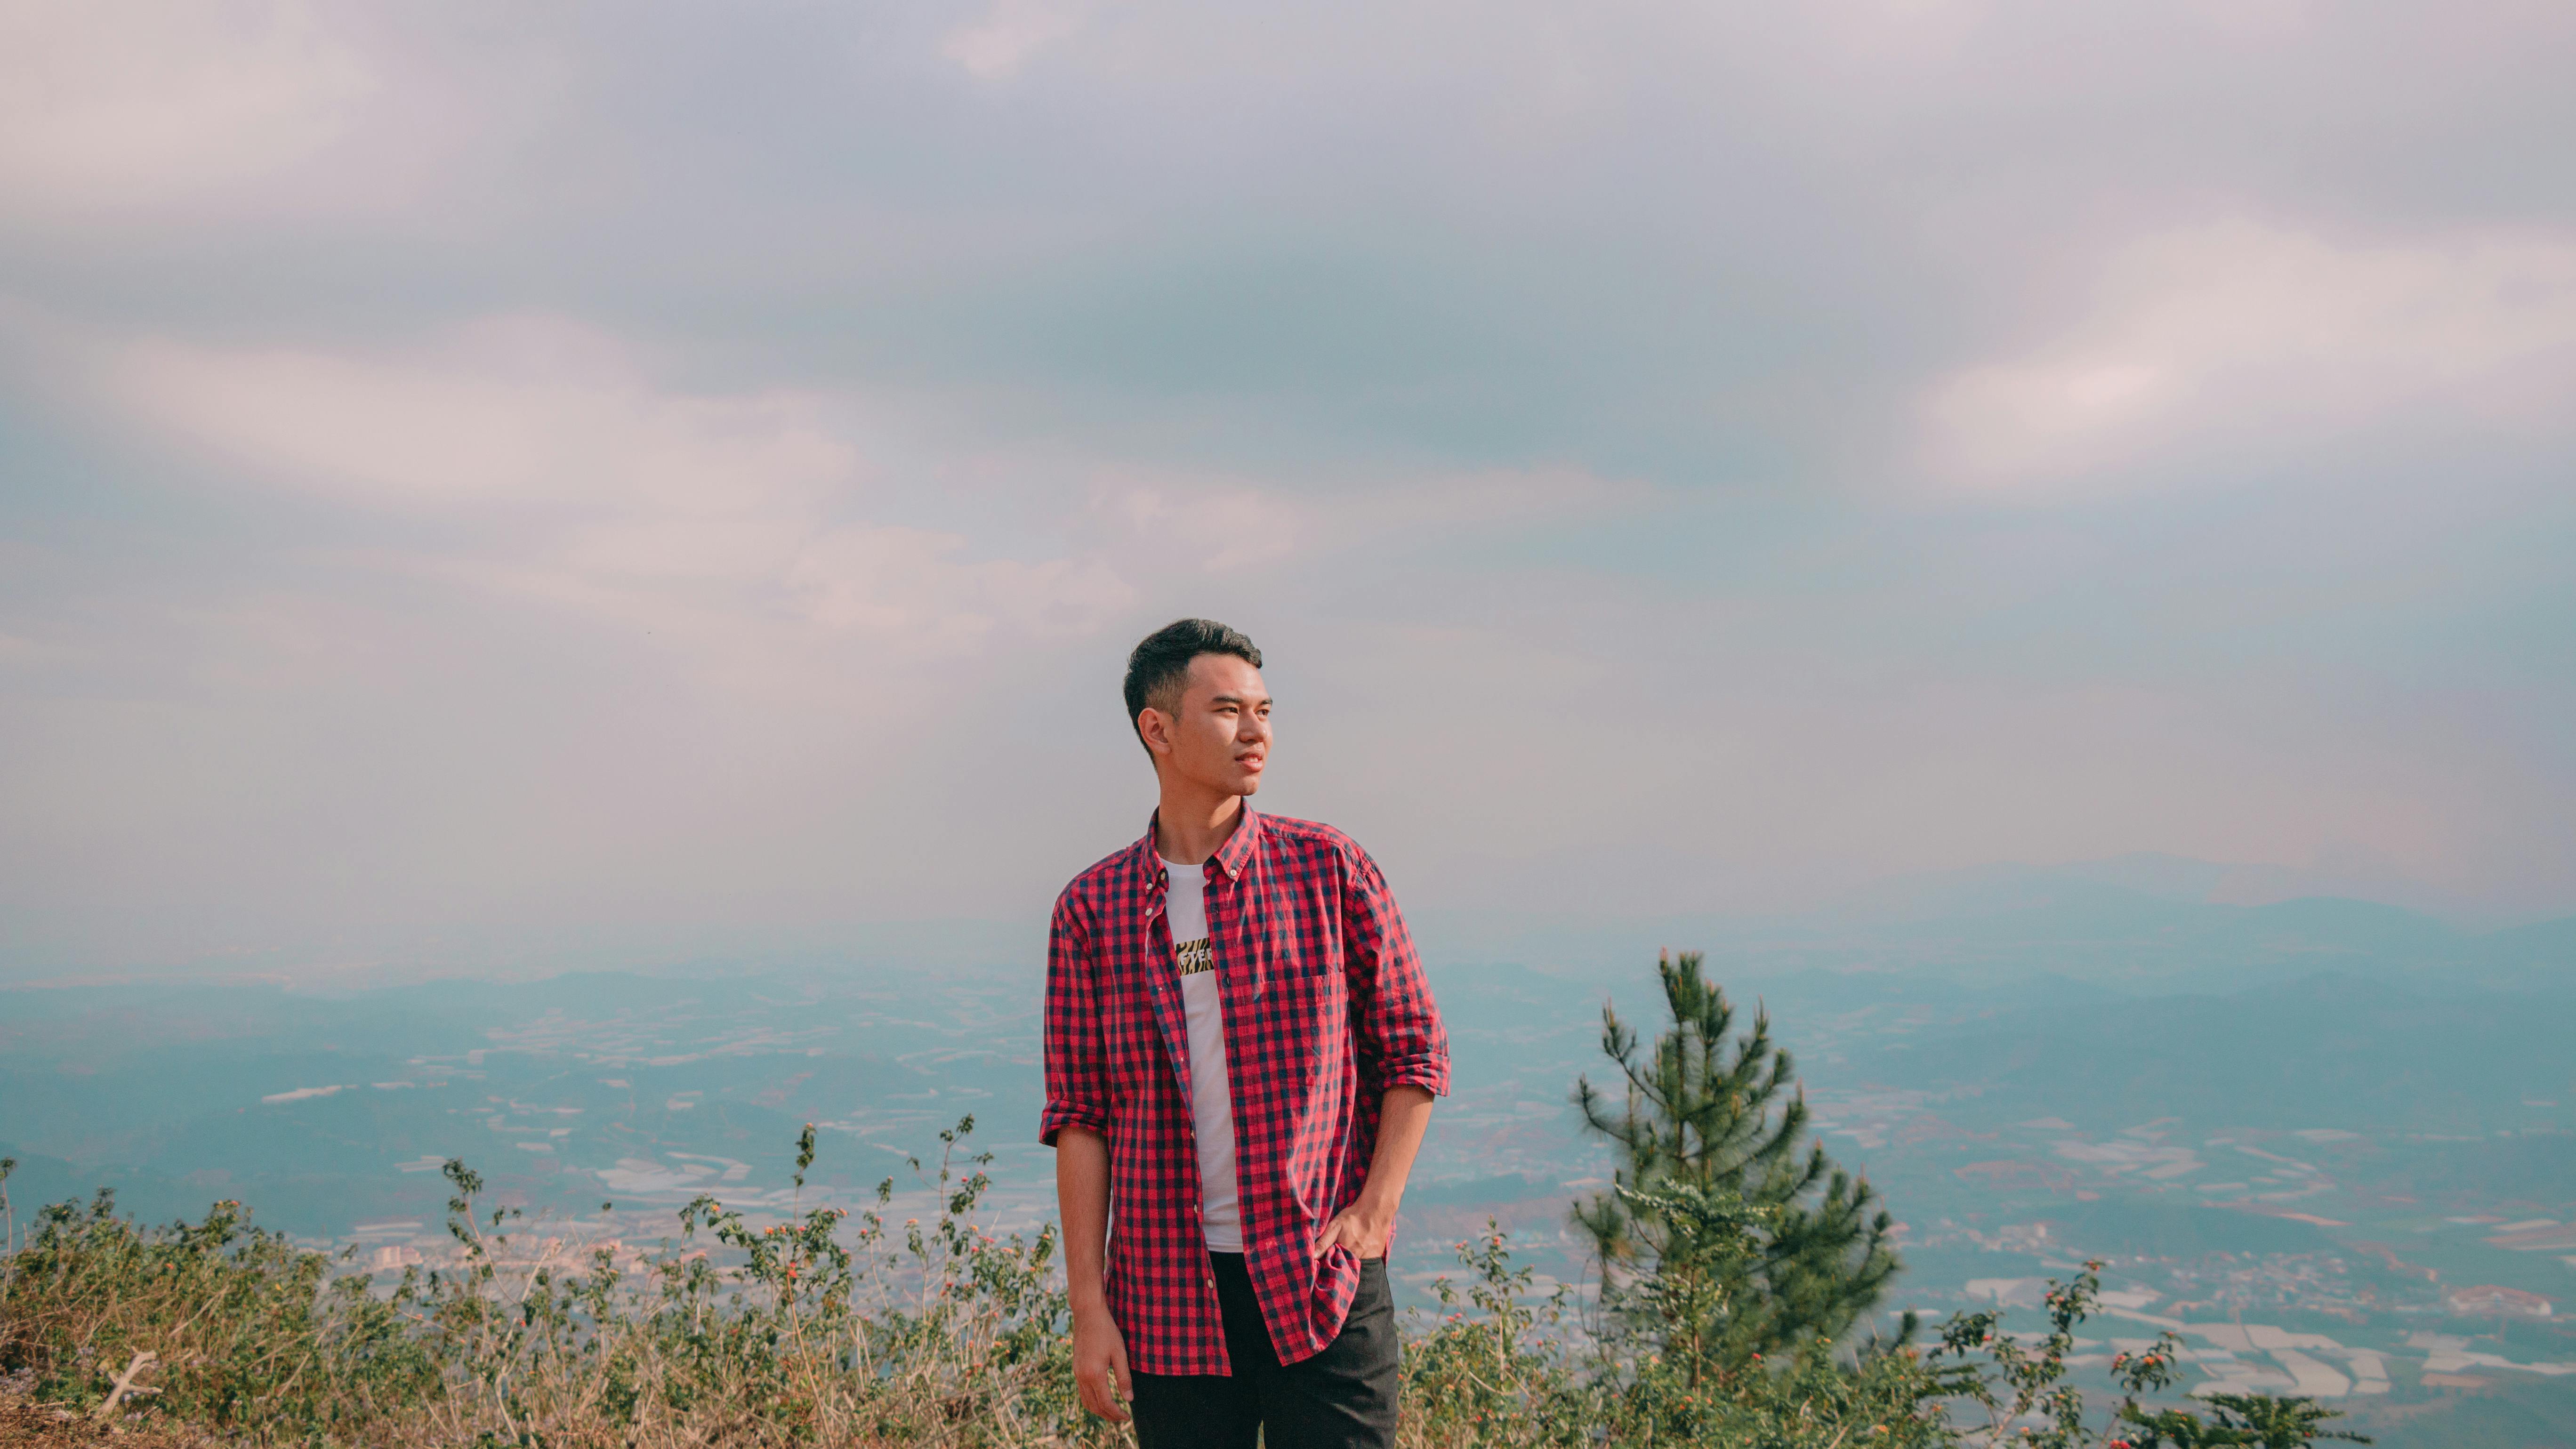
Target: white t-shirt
1211,1101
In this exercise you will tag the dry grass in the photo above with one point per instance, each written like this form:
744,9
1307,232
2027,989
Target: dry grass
833,1330
27,1424
821,1329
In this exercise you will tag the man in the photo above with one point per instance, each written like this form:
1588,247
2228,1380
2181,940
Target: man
1241,1054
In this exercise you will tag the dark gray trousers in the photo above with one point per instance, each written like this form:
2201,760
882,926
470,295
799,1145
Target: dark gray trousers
1342,1398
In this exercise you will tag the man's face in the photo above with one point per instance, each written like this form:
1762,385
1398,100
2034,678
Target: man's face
1220,738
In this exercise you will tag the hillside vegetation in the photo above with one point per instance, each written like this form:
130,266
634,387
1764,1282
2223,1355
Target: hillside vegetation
1738,1273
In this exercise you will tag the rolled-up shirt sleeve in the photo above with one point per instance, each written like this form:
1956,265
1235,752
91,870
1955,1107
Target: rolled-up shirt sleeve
1394,1024
1077,1068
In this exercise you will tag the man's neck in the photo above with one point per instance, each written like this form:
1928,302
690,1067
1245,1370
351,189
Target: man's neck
1191,825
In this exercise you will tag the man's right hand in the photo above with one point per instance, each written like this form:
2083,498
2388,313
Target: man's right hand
1100,1364
1082,1195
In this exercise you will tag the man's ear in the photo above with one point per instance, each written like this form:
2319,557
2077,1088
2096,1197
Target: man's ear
1155,729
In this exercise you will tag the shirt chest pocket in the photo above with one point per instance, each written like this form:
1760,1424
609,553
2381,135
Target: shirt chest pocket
1297,940
1311,980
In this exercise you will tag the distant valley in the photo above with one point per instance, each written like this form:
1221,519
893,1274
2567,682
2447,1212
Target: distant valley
2334,1141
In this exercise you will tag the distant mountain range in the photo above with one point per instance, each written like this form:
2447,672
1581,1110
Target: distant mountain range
2330,1050
2140,924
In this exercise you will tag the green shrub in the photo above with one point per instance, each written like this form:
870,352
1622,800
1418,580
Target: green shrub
1720,1242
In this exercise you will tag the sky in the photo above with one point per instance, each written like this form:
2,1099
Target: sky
494,484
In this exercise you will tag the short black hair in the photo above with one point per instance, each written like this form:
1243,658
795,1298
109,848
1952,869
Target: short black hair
1160,666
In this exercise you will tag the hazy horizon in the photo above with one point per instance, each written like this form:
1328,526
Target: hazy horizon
2078,907
483,486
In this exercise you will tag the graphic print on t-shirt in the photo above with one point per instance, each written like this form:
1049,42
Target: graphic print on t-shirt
1211,1099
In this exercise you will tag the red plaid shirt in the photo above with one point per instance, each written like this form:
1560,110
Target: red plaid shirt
1325,1007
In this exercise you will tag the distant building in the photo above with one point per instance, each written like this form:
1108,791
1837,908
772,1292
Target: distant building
2489,1301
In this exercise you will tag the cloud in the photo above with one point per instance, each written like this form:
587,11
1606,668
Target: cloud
996,47
561,472
516,411
599,488
2259,341
911,584
1217,528
489,476
123,103
17,649
1225,525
